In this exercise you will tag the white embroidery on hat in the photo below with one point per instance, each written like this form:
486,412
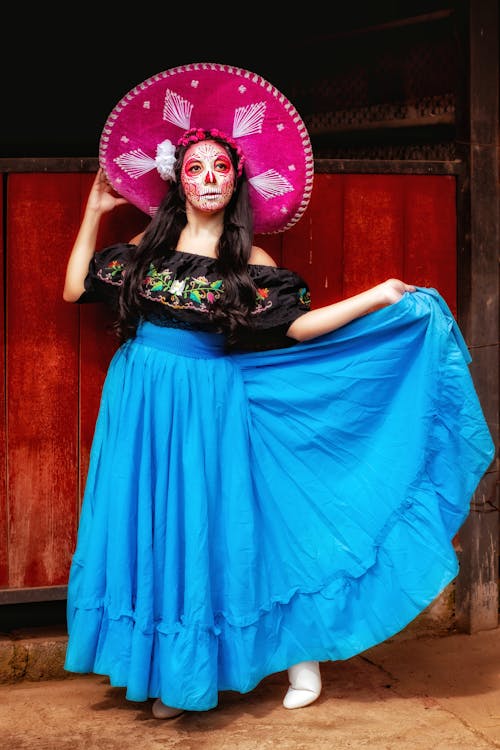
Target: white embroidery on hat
177,110
135,163
249,119
270,183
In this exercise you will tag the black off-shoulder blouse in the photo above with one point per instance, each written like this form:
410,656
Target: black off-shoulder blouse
179,292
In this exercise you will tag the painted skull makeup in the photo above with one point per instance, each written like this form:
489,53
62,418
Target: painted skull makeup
207,176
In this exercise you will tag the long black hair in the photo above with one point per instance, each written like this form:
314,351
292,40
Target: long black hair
232,311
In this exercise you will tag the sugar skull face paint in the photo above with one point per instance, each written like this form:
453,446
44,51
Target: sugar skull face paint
207,176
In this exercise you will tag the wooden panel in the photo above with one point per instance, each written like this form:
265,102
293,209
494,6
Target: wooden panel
297,248
430,234
97,345
97,339
314,246
4,537
373,231
362,229
42,380
478,141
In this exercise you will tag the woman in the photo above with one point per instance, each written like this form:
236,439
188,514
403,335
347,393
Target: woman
229,529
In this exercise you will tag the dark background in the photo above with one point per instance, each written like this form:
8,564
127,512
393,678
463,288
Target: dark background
63,74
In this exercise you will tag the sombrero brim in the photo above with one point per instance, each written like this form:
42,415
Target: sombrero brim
279,160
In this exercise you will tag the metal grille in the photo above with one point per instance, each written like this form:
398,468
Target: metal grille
382,94
425,152
429,110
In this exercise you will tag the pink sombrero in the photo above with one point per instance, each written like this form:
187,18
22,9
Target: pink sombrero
278,155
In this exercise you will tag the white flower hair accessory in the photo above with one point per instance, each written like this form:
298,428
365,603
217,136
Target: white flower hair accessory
165,160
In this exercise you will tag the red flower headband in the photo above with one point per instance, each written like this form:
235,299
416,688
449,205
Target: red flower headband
197,134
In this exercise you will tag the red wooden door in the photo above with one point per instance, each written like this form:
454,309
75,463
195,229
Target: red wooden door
362,229
357,231
56,356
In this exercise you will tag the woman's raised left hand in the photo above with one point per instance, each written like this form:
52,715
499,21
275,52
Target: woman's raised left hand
392,290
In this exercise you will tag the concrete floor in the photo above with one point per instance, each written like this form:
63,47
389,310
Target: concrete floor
429,693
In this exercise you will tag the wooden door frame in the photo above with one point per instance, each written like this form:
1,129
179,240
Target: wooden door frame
476,172
324,166
477,146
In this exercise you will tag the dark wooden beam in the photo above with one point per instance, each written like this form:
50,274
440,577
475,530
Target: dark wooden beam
41,594
48,164
478,286
386,166
332,166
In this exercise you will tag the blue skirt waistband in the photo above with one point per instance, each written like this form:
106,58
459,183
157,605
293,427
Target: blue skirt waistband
187,342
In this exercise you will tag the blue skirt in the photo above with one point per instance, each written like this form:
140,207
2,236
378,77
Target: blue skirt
244,512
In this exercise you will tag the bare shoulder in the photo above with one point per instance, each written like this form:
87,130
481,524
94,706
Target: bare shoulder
259,257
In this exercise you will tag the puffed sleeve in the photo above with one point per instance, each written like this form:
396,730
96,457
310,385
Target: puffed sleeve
105,274
282,296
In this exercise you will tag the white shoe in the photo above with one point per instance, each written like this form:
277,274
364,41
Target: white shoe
305,684
162,711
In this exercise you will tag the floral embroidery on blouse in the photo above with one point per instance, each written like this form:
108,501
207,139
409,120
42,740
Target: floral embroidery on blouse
262,301
195,292
191,292
304,296
112,273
